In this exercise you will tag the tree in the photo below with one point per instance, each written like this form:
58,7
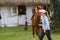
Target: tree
56,15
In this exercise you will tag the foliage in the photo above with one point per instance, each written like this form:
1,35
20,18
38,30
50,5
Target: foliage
56,15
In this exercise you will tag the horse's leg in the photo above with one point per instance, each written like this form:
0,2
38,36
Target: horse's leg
38,33
40,29
33,30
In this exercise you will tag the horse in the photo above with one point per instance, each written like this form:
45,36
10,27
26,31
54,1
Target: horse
36,29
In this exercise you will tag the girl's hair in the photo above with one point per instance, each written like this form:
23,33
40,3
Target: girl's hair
46,14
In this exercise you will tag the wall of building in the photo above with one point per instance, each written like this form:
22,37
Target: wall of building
9,18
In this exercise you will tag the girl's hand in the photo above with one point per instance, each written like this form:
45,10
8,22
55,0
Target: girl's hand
44,31
40,24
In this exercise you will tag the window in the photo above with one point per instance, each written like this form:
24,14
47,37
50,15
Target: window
14,10
21,10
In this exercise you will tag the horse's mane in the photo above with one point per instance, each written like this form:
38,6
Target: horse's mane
35,22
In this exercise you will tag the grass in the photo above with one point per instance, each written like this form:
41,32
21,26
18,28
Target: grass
18,33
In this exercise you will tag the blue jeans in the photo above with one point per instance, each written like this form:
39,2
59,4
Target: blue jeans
42,34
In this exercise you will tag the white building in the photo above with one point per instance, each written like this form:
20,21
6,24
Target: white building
15,12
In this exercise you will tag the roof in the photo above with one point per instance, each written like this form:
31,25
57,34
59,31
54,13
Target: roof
24,2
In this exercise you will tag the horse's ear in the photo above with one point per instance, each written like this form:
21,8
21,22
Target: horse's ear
36,9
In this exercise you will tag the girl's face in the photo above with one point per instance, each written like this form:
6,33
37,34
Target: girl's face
42,14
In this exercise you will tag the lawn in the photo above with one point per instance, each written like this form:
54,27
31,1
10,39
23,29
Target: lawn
18,33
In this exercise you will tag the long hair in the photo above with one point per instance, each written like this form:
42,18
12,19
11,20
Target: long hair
47,14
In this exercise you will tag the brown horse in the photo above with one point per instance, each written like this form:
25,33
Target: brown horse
35,21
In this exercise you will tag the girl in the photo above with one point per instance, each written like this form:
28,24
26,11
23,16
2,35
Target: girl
45,25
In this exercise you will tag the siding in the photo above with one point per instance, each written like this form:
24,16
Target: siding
15,20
